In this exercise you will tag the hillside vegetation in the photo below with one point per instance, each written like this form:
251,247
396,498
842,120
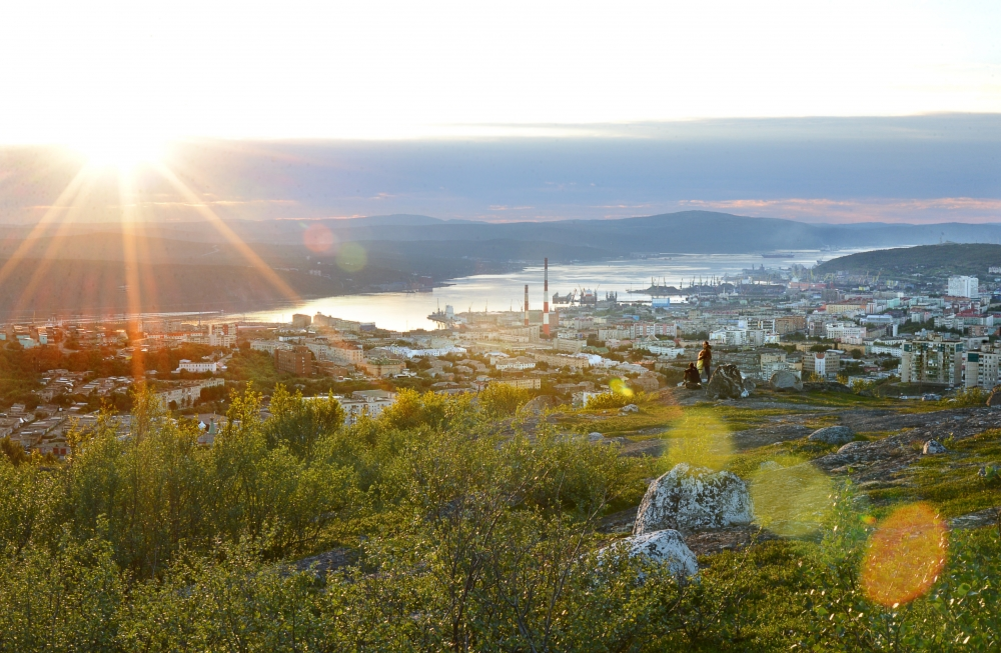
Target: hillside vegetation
440,525
926,260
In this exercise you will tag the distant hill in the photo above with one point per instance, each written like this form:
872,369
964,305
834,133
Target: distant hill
926,260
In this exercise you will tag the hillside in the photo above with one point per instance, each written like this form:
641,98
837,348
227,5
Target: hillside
925,260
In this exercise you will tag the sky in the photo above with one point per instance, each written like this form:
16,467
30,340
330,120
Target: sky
816,111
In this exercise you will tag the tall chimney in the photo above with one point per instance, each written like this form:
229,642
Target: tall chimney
526,304
545,299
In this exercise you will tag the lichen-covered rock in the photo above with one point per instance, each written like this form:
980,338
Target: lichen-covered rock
785,380
833,435
852,447
933,447
726,383
690,499
664,546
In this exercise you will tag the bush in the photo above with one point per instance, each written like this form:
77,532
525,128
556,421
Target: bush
971,397
608,400
502,400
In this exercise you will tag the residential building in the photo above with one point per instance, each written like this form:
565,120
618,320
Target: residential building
382,367
300,321
960,286
934,360
185,393
298,361
198,367
981,369
269,346
825,364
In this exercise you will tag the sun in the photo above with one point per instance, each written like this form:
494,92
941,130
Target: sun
122,151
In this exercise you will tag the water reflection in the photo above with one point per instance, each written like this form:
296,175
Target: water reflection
495,292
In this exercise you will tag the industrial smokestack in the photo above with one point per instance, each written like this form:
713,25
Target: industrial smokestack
545,298
526,304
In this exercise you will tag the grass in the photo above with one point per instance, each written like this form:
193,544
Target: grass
838,400
950,481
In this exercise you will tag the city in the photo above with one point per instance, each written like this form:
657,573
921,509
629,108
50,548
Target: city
777,326
520,327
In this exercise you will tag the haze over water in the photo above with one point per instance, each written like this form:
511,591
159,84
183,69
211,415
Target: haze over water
502,292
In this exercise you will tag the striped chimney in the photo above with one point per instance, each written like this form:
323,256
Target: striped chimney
526,304
545,298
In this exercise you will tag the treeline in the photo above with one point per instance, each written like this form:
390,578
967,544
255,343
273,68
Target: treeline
462,537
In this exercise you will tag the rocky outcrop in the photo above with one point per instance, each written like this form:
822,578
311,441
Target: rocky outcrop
726,383
833,435
690,499
994,399
540,404
665,546
785,381
933,447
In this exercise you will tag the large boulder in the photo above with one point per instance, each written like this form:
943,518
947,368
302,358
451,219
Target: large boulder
933,447
691,499
784,380
994,399
647,382
833,435
665,546
726,383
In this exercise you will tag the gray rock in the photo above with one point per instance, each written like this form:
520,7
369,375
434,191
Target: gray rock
833,435
933,447
726,383
784,380
852,447
629,408
664,546
595,437
750,386
691,499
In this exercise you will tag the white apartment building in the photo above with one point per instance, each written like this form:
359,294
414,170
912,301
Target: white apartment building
735,337
960,286
981,369
659,348
517,363
197,366
845,332
269,346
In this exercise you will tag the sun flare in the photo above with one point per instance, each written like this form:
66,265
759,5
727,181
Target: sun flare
123,152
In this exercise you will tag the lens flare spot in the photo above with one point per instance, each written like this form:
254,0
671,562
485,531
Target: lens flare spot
352,257
699,439
318,238
619,387
905,555
791,500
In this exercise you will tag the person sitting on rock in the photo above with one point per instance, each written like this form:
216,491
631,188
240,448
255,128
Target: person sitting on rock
706,360
692,379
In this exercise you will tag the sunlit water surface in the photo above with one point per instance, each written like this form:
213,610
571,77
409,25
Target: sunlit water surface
501,292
